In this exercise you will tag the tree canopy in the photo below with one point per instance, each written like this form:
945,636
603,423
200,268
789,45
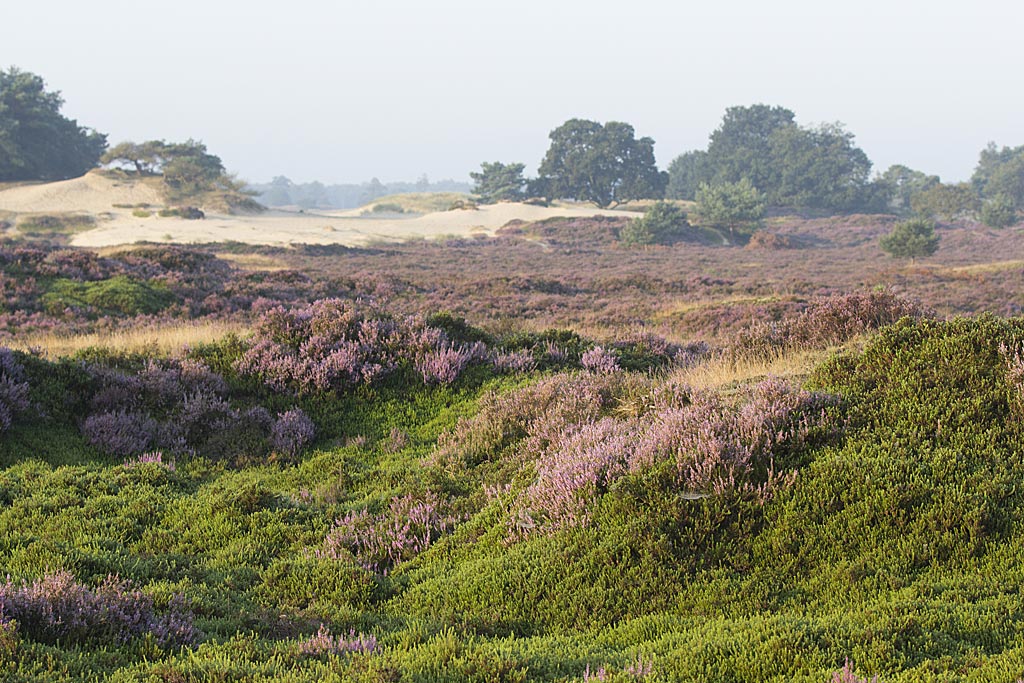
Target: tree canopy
730,205
36,141
790,165
1000,172
662,223
604,164
913,239
498,182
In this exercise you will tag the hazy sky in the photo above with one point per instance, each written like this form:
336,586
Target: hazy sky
340,91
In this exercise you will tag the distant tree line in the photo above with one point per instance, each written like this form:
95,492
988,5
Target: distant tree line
281,191
758,157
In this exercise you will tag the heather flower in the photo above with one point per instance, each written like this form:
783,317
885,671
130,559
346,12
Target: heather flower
378,542
291,432
120,433
151,458
514,361
600,360
322,642
13,389
846,675
445,364
56,607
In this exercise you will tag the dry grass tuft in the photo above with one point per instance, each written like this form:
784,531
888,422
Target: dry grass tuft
253,262
726,371
164,340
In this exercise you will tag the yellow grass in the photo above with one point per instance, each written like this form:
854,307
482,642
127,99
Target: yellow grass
980,268
259,262
163,341
724,372
681,307
420,202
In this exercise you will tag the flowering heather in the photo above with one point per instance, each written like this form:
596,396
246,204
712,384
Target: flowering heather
13,389
828,321
581,466
291,432
378,542
528,419
444,365
846,675
325,346
120,433
322,642
713,446
56,607
600,360
151,458
514,361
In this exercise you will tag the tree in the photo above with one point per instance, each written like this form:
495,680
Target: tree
948,202
999,212
685,174
817,168
913,239
145,157
36,141
1000,171
498,182
901,183
662,223
730,205
741,147
604,164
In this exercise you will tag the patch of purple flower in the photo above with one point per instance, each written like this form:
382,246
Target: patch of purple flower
56,607
846,675
13,389
150,458
322,642
600,360
291,432
378,542
120,433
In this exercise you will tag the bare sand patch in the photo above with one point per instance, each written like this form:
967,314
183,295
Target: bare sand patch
112,200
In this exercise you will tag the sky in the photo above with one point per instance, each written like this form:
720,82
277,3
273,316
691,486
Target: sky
345,90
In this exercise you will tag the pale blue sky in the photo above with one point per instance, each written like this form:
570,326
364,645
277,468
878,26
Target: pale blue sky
346,90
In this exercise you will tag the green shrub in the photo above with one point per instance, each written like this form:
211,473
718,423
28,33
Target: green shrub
911,239
999,212
142,213
662,223
117,295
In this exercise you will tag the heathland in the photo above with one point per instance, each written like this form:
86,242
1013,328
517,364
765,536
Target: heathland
503,438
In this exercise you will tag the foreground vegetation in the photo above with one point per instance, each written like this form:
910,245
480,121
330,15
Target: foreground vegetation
425,500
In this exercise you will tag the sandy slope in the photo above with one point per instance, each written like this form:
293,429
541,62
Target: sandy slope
96,194
92,193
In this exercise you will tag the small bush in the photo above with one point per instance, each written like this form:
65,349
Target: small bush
662,223
999,212
142,213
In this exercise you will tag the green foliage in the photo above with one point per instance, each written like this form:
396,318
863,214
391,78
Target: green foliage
662,223
36,141
902,183
142,213
498,182
912,239
999,211
813,167
1000,172
946,202
899,545
49,224
731,205
387,207
604,164
117,295
685,174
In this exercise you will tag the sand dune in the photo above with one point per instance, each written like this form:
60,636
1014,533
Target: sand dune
97,194
92,193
